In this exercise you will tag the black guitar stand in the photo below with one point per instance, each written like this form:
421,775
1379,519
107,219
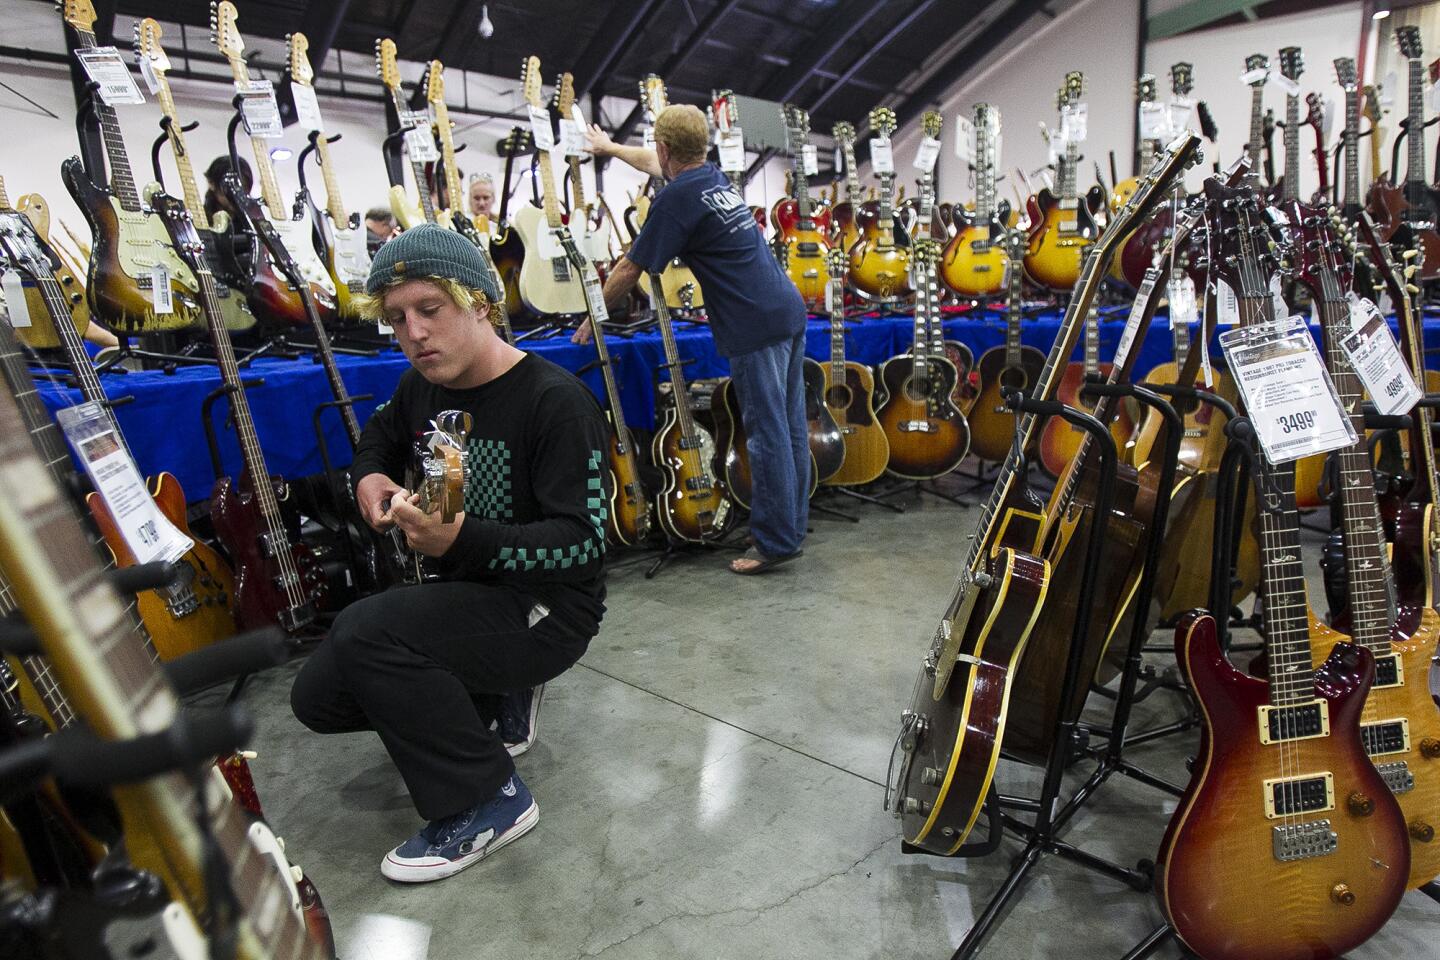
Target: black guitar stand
857,494
351,529
207,419
1042,834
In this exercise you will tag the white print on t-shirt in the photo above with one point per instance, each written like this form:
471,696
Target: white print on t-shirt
728,205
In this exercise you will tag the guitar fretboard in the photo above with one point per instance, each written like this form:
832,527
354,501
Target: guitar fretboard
122,181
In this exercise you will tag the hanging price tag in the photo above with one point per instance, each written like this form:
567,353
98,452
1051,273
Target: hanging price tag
1154,121
965,147
830,298
882,160
1227,305
307,108
258,107
420,145
1182,301
104,67
540,128
147,73
13,286
1137,311
1073,122
731,145
1377,361
595,297
1277,299
647,138
572,137
1291,87
160,292
926,154
146,531
1179,111
809,162
1254,76
1287,392
1432,95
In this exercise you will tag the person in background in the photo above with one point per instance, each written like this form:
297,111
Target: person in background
482,196
215,198
379,227
756,316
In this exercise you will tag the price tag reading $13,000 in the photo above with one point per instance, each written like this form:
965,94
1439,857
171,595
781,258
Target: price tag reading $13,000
149,535
1287,392
1377,361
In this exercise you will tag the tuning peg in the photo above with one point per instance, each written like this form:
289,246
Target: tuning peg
1410,271
1412,288
1409,254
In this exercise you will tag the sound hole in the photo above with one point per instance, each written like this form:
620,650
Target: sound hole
1014,378
838,396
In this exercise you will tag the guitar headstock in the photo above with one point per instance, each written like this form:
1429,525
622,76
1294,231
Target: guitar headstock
925,252
838,261
1407,38
797,123
1292,63
844,133
519,140
1239,239
1182,78
565,95
386,64
882,121
181,228
435,82
723,111
225,34
297,47
1316,254
147,45
531,84
1372,109
1345,74
20,247
79,14
1145,88
445,466
987,118
1315,107
1071,90
652,96
932,123
1258,61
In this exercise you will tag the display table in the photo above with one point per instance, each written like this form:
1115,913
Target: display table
163,425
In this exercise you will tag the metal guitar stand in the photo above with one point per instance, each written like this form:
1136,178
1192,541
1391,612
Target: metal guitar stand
1042,834
207,419
339,493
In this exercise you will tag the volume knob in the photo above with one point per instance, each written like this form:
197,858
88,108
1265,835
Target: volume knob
1430,748
1360,805
1421,831
1342,894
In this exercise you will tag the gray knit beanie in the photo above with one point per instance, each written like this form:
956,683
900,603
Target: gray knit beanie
431,251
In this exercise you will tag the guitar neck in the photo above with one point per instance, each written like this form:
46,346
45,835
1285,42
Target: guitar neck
548,200
985,177
122,181
188,184
1352,143
886,220
1292,147
837,330
417,166
1415,141
453,196
852,176
1067,177
1257,127
1013,308
334,204
679,391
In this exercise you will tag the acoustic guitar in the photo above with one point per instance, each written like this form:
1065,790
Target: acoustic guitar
1061,223
1406,214
842,215
802,225
975,258
849,395
1060,441
880,258
1013,366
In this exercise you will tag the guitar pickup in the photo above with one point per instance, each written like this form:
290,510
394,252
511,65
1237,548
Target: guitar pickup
1287,796
918,426
1387,736
560,269
981,267
1389,671
1303,841
296,617
1397,776
267,546
808,249
1298,721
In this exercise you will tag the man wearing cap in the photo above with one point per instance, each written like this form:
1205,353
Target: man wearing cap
756,315
430,667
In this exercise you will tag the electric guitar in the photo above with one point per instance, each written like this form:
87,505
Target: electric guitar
1137,253
506,250
1374,111
693,506
1315,120
927,432
880,258
849,395
548,283
1061,224
341,234
842,215
682,290
1283,797
414,127
270,295
1345,75
1406,215
1145,93
130,249
41,335
629,515
1257,66
801,225
725,115
1011,367
276,581
1292,64
974,261
592,241
439,472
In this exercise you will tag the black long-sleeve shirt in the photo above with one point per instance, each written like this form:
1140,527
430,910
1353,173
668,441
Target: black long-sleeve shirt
535,500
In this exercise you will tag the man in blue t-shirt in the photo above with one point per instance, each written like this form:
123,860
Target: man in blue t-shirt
756,316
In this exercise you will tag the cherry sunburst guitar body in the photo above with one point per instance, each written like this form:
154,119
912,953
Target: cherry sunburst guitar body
240,524
1219,882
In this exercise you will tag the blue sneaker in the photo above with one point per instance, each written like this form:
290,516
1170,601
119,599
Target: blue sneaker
443,848
519,721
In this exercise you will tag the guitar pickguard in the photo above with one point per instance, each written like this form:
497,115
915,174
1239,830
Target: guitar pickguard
297,235
144,242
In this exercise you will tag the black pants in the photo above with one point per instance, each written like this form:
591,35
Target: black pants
424,667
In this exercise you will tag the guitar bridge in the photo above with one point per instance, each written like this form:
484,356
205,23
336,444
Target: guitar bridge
918,426
294,618
1397,776
1303,841
560,269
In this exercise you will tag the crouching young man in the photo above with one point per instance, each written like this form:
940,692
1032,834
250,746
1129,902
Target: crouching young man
431,667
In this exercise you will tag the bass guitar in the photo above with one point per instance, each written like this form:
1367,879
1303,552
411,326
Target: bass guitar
801,229
1061,223
41,334
548,284
849,395
277,580
974,261
927,432
130,249
880,258
1011,367
1406,214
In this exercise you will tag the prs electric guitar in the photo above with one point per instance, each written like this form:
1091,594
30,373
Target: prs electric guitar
1400,726
1011,367
276,581
842,215
549,284
880,258
927,432
802,225
341,235
130,250
849,394
629,518
419,142
270,294
41,335
1061,224
952,729
974,261
693,505
1406,214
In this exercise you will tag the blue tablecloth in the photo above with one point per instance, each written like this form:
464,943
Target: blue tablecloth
164,428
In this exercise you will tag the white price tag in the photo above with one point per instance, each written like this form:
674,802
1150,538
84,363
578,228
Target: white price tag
258,107
307,107
1432,95
420,145
147,73
926,154
1073,122
1179,112
731,144
1277,299
104,67
160,289
558,159
829,298
882,160
1053,149
1182,301
1377,361
1287,392
572,137
965,140
1291,87
1137,311
540,128
809,162
647,138
1227,305
1154,121
1254,76
146,531
595,297
13,286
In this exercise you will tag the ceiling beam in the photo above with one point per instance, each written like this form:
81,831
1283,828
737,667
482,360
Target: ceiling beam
899,27
1196,14
845,23
460,33
619,33
321,25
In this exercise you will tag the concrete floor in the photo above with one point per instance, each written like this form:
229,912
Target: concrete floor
709,779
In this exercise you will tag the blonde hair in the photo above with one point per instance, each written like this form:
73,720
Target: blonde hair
684,131
372,306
